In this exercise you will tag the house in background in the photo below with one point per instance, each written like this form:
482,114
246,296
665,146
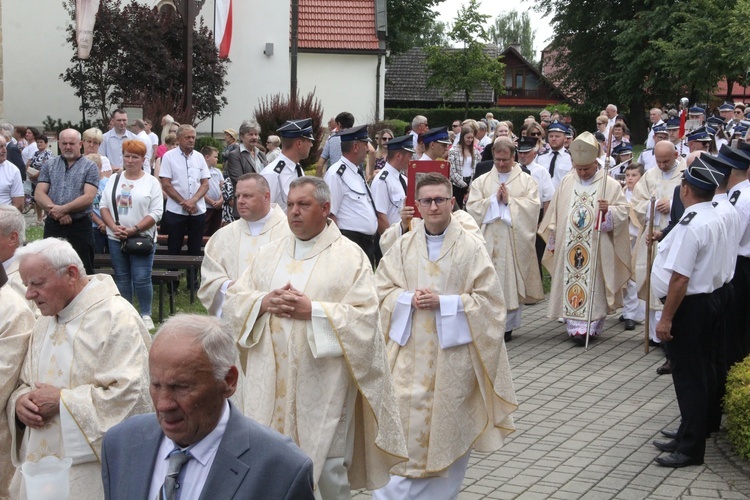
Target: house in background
341,54
525,86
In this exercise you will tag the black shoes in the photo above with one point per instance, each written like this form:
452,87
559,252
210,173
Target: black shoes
665,369
509,336
629,324
670,433
668,446
579,340
677,460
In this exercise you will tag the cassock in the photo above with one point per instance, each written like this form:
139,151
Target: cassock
16,323
317,381
510,235
568,230
96,351
662,185
450,366
229,252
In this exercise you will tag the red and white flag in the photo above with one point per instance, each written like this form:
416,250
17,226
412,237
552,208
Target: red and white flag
85,19
223,34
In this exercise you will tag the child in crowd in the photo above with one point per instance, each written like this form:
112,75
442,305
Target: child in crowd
214,198
634,309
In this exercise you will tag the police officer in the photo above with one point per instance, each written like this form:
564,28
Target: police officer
684,277
436,142
673,129
701,139
557,160
389,188
352,208
296,142
726,111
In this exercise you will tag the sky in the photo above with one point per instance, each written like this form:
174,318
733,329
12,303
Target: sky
448,9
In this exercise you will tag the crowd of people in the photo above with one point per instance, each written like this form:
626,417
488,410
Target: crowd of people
352,339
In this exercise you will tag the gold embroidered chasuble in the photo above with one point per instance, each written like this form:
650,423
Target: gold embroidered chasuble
460,398
511,248
16,323
568,227
231,249
287,388
96,351
652,182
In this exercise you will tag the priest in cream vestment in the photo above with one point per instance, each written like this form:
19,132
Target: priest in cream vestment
231,249
13,231
16,323
311,348
586,202
660,182
442,309
86,368
505,202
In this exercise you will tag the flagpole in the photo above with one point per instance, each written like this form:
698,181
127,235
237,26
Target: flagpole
212,110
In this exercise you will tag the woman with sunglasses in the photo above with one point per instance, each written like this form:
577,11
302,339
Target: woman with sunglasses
381,151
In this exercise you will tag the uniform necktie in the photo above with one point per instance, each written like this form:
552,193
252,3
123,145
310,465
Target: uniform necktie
402,181
300,173
552,163
177,459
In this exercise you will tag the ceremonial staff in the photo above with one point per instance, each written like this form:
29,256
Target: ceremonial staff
649,265
595,248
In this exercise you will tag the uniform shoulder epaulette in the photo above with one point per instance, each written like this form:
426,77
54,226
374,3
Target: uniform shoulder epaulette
279,166
714,203
341,169
684,155
384,175
735,197
686,220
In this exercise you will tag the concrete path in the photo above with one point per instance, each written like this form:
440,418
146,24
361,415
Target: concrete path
586,421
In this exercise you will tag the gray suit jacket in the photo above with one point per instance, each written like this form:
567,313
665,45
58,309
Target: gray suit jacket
239,163
253,462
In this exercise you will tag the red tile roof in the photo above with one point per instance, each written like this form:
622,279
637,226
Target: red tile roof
337,25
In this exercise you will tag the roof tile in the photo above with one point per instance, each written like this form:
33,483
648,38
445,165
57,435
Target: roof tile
337,24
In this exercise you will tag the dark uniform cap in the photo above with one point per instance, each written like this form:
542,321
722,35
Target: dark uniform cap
744,148
599,136
696,110
526,144
739,160
358,133
715,120
623,148
556,126
660,129
297,128
405,142
700,134
726,107
673,123
437,134
739,130
702,175
718,163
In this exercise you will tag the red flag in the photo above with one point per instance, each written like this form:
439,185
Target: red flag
683,118
223,35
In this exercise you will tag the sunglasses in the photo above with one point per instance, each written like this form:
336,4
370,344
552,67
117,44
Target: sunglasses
536,134
386,139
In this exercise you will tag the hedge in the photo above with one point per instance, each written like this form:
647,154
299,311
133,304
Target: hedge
737,407
582,119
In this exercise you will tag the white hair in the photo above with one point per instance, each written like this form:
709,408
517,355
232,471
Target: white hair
612,106
248,126
214,335
417,121
12,220
58,252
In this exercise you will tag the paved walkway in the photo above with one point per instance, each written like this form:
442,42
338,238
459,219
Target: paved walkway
586,421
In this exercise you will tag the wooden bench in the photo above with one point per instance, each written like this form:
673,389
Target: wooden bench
159,277
191,263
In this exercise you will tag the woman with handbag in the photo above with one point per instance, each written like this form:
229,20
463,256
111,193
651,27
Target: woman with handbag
131,206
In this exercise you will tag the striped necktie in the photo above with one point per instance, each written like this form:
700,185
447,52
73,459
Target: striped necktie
177,459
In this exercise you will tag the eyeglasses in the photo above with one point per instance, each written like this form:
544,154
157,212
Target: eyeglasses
737,112
427,202
456,125
536,134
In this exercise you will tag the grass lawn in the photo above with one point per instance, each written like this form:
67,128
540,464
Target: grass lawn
181,300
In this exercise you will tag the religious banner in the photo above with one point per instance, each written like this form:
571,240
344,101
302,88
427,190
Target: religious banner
578,252
85,19
418,168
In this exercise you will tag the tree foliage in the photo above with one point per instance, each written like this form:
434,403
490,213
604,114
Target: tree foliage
410,23
137,56
466,68
513,28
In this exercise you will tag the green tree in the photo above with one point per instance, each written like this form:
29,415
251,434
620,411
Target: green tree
137,56
513,28
465,69
435,33
409,22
